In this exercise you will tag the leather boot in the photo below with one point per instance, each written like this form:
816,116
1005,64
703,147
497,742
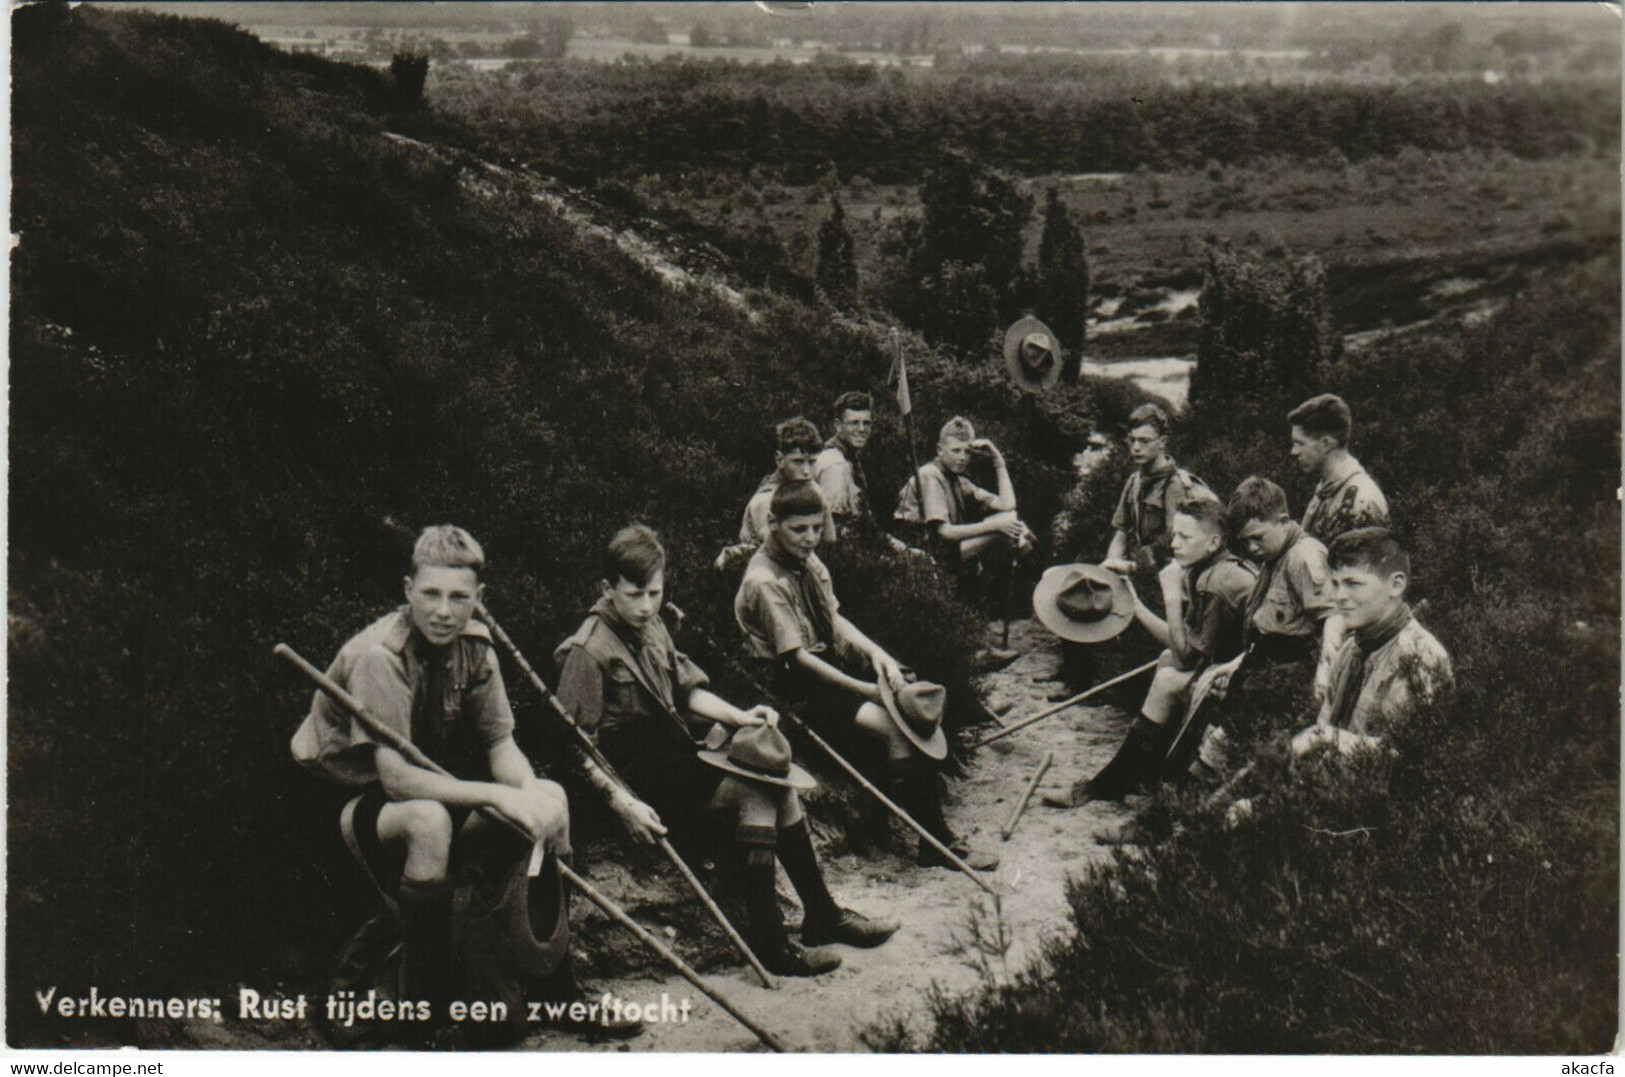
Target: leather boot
765,928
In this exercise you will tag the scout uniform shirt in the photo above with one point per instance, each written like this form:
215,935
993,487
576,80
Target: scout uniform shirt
1145,511
1379,678
1350,498
1293,594
448,701
783,606
1216,594
937,497
611,674
839,474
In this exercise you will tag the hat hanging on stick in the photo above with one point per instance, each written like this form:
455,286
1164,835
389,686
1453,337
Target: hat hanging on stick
1033,355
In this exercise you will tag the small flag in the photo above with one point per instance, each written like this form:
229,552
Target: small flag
905,403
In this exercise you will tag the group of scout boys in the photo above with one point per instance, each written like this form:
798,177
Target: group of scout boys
1326,593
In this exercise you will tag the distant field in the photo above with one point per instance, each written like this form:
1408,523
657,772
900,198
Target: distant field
1468,214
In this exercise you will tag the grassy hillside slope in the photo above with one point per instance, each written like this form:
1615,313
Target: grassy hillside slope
255,335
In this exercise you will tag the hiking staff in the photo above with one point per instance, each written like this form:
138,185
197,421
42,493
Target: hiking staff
618,914
801,724
1026,795
1009,599
1074,701
591,748
414,755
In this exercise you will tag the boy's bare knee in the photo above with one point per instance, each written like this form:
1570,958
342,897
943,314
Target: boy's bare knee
549,797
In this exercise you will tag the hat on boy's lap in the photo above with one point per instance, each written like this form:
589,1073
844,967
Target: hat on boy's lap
762,754
1032,354
1083,603
917,711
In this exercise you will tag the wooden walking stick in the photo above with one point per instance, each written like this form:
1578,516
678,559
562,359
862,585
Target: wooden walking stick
1074,701
618,914
1026,795
414,755
840,761
597,756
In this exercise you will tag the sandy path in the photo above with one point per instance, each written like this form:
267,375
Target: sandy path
935,905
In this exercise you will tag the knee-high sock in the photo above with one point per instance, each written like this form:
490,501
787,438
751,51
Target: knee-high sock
915,784
1137,762
801,864
426,930
756,845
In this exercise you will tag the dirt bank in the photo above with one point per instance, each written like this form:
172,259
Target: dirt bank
937,906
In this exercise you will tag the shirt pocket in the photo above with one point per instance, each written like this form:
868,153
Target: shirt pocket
621,691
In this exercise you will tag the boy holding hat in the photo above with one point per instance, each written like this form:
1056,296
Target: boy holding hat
1388,663
1204,589
1346,496
650,710
429,672
798,447
794,633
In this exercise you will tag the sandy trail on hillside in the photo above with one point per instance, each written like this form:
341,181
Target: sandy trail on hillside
936,906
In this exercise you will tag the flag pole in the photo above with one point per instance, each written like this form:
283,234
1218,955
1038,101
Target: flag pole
905,405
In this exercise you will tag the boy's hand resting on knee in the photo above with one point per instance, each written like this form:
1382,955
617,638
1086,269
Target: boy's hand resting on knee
536,817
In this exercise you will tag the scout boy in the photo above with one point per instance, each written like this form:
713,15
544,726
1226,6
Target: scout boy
1204,591
1290,614
1346,496
960,522
429,672
1290,617
1388,663
798,446
838,469
794,632
650,710
1143,522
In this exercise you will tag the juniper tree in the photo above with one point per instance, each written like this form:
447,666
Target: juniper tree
1063,280
1266,330
837,272
410,70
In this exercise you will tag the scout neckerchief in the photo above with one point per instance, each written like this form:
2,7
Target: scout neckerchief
859,479
1367,641
1266,576
1193,580
1136,510
634,647
951,481
429,701
821,616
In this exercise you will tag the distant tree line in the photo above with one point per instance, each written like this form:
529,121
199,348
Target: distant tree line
590,120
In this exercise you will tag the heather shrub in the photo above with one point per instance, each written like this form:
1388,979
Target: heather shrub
1458,895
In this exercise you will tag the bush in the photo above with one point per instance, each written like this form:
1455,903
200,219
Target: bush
1461,897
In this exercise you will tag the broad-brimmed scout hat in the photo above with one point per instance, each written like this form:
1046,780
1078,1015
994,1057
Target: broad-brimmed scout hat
762,754
1033,355
1083,603
917,711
